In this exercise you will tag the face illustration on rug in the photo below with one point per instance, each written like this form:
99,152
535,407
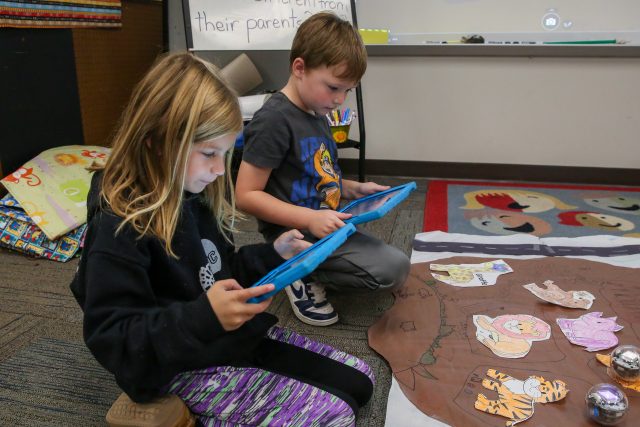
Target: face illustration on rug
595,220
516,398
513,200
498,208
506,223
621,204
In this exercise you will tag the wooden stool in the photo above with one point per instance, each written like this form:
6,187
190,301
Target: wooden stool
167,411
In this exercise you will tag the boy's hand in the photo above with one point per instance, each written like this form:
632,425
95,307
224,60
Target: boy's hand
354,190
366,188
326,221
229,302
290,243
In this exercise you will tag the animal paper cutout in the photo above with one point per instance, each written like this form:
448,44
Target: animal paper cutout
555,295
591,331
469,275
510,336
516,398
605,359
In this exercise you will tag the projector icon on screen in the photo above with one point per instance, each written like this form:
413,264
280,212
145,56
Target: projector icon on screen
550,21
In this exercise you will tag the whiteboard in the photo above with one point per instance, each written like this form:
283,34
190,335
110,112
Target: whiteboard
416,21
252,24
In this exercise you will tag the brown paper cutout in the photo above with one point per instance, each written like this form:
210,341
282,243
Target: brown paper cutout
439,364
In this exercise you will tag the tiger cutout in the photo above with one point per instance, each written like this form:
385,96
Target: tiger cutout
516,397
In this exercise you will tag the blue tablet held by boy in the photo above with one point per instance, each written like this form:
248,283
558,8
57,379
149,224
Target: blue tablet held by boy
377,205
290,177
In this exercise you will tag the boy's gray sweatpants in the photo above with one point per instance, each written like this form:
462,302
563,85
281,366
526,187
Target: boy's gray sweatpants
362,262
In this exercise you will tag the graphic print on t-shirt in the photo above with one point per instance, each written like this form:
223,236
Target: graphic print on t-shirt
329,185
319,187
213,264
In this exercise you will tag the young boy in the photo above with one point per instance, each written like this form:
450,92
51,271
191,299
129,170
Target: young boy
289,176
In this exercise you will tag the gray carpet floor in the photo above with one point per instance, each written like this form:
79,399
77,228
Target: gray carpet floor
49,378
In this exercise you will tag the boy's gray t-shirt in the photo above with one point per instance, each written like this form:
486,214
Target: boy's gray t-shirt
301,152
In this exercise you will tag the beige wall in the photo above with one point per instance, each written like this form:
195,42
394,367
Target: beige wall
494,18
512,110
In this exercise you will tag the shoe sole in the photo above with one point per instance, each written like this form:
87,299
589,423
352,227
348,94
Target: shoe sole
168,411
312,322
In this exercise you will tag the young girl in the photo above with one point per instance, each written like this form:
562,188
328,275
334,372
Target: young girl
162,289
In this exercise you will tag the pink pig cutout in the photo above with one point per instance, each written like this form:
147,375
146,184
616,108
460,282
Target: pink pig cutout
591,330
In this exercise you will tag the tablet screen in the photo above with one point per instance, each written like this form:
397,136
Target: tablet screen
371,204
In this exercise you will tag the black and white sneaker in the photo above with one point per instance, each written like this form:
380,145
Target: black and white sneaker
310,305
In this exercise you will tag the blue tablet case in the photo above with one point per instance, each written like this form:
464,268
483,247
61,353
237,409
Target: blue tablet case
304,263
375,206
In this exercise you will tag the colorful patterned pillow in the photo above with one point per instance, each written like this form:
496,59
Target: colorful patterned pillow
52,188
11,208
18,232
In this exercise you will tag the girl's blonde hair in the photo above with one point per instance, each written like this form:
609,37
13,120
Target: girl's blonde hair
182,100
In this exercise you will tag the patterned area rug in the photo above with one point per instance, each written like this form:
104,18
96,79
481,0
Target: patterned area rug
499,208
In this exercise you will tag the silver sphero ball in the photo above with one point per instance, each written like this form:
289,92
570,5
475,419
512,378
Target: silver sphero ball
606,403
625,362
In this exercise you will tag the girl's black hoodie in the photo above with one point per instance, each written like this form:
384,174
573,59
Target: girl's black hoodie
146,314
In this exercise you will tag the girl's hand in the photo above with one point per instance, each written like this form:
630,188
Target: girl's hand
290,243
326,221
229,302
366,188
